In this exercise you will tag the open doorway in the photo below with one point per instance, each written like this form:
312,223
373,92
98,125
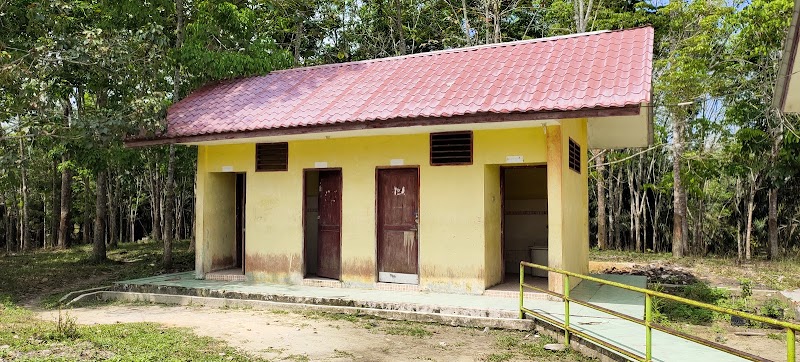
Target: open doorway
226,249
323,223
524,222
241,186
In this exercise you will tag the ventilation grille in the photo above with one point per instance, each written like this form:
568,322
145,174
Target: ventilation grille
451,148
272,156
574,156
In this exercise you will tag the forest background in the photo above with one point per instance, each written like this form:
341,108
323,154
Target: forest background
78,76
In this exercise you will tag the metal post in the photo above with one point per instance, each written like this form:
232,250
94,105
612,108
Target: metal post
790,345
566,310
648,332
521,290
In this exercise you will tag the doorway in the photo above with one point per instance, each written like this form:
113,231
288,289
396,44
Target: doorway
524,220
241,186
323,223
397,218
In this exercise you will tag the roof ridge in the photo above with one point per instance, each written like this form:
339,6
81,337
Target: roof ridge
454,50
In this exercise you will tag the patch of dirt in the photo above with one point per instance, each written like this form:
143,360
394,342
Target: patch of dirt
277,335
656,273
81,351
765,343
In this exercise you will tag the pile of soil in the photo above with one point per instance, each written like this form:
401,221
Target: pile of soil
656,273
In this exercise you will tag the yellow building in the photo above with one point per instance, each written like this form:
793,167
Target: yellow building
787,89
440,170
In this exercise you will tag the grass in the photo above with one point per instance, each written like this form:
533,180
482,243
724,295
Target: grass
28,338
407,329
777,275
44,276
511,345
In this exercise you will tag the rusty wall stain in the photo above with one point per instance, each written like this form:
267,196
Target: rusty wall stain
222,263
274,263
433,271
359,268
554,149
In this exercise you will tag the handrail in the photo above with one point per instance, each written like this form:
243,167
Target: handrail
648,323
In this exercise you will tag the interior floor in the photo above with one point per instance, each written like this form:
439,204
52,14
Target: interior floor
232,274
510,286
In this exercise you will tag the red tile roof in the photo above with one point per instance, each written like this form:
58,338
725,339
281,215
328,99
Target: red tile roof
578,72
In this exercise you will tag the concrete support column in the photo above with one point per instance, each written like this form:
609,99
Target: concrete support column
568,202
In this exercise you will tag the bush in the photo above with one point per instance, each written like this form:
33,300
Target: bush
674,311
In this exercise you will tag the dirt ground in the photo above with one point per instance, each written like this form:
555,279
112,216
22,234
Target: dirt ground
278,335
765,343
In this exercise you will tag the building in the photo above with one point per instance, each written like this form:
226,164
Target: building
442,170
787,89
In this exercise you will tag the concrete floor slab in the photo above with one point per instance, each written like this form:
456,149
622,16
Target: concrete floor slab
611,329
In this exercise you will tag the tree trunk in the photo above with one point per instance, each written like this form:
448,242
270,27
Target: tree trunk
467,29
113,212
750,206
156,205
55,209
26,234
87,211
169,197
169,215
398,24
487,16
774,248
496,20
679,225
599,161
99,247
64,226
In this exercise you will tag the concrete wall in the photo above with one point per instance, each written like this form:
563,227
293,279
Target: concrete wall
459,206
568,202
492,227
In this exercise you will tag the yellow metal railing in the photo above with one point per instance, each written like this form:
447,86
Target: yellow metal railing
790,328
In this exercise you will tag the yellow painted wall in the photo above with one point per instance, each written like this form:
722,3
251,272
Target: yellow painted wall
459,233
492,227
568,202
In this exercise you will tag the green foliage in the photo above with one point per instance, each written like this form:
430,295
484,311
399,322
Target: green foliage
774,308
229,40
52,273
673,311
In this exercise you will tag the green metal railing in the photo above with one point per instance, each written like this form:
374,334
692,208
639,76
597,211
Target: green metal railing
790,328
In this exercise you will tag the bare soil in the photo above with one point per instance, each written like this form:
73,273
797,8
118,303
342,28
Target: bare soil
765,343
278,335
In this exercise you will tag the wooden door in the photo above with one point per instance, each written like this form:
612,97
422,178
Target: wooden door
330,224
398,223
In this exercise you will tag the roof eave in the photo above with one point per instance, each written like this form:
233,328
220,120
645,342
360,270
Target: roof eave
597,112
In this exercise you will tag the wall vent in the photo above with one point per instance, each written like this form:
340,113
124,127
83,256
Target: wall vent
574,156
272,156
451,148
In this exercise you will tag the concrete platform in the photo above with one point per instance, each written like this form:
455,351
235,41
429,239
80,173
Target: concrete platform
457,309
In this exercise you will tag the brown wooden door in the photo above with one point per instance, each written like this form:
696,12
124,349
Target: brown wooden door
330,224
398,222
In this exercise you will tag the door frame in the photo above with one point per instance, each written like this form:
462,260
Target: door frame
503,169
377,218
305,215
